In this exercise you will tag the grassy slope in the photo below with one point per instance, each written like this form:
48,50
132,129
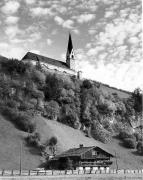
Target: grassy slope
10,139
109,90
10,142
69,138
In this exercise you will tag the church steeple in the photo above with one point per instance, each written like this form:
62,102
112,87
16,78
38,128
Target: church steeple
70,58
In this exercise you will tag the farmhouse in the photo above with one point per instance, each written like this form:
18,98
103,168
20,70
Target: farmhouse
54,65
83,157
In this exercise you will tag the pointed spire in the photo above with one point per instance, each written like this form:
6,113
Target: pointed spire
70,51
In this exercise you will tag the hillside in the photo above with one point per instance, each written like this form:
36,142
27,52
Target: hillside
10,142
107,89
11,138
55,104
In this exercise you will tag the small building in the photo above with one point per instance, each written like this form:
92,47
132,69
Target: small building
83,157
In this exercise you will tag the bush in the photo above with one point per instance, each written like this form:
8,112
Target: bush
14,66
129,143
107,125
99,133
140,147
86,84
11,103
38,77
33,139
52,110
137,136
37,94
24,106
24,122
53,141
124,134
69,115
65,100
20,119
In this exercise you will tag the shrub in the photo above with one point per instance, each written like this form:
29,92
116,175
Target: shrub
99,133
107,125
70,119
38,77
11,103
20,119
65,100
14,66
24,106
52,87
124,134
37,94
52,110
33,139
53,141
24,122
140,147
69,115
86,84
130,143
137,136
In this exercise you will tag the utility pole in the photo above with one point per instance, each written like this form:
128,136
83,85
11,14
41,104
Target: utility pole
116,160
141,124
20,160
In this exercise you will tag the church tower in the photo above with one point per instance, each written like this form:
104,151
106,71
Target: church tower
70,58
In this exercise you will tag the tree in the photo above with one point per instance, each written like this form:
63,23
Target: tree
53,141
129,143
140,147
52,144
53,87
14,66
52,110
137,97
86,84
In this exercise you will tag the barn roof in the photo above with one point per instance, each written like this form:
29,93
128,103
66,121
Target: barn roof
79,151
44,59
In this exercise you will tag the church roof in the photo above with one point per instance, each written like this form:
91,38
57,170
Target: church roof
44,59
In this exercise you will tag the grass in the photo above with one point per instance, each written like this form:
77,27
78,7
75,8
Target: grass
107,89
11,138
10,142
69,138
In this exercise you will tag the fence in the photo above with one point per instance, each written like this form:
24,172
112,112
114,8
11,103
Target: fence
66,172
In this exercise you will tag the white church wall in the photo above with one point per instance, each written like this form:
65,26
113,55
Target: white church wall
56,68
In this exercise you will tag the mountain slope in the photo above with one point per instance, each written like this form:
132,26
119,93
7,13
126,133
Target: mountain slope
11,139
10,142
69,138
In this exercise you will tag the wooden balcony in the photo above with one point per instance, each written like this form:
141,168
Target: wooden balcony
94,164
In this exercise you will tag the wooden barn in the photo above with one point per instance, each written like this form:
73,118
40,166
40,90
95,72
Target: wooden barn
82,157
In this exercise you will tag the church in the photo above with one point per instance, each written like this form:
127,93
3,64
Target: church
68,67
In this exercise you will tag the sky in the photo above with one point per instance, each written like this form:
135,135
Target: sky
106,35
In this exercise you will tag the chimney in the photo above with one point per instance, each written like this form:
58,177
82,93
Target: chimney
81,146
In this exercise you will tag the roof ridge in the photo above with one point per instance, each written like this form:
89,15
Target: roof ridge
48,60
